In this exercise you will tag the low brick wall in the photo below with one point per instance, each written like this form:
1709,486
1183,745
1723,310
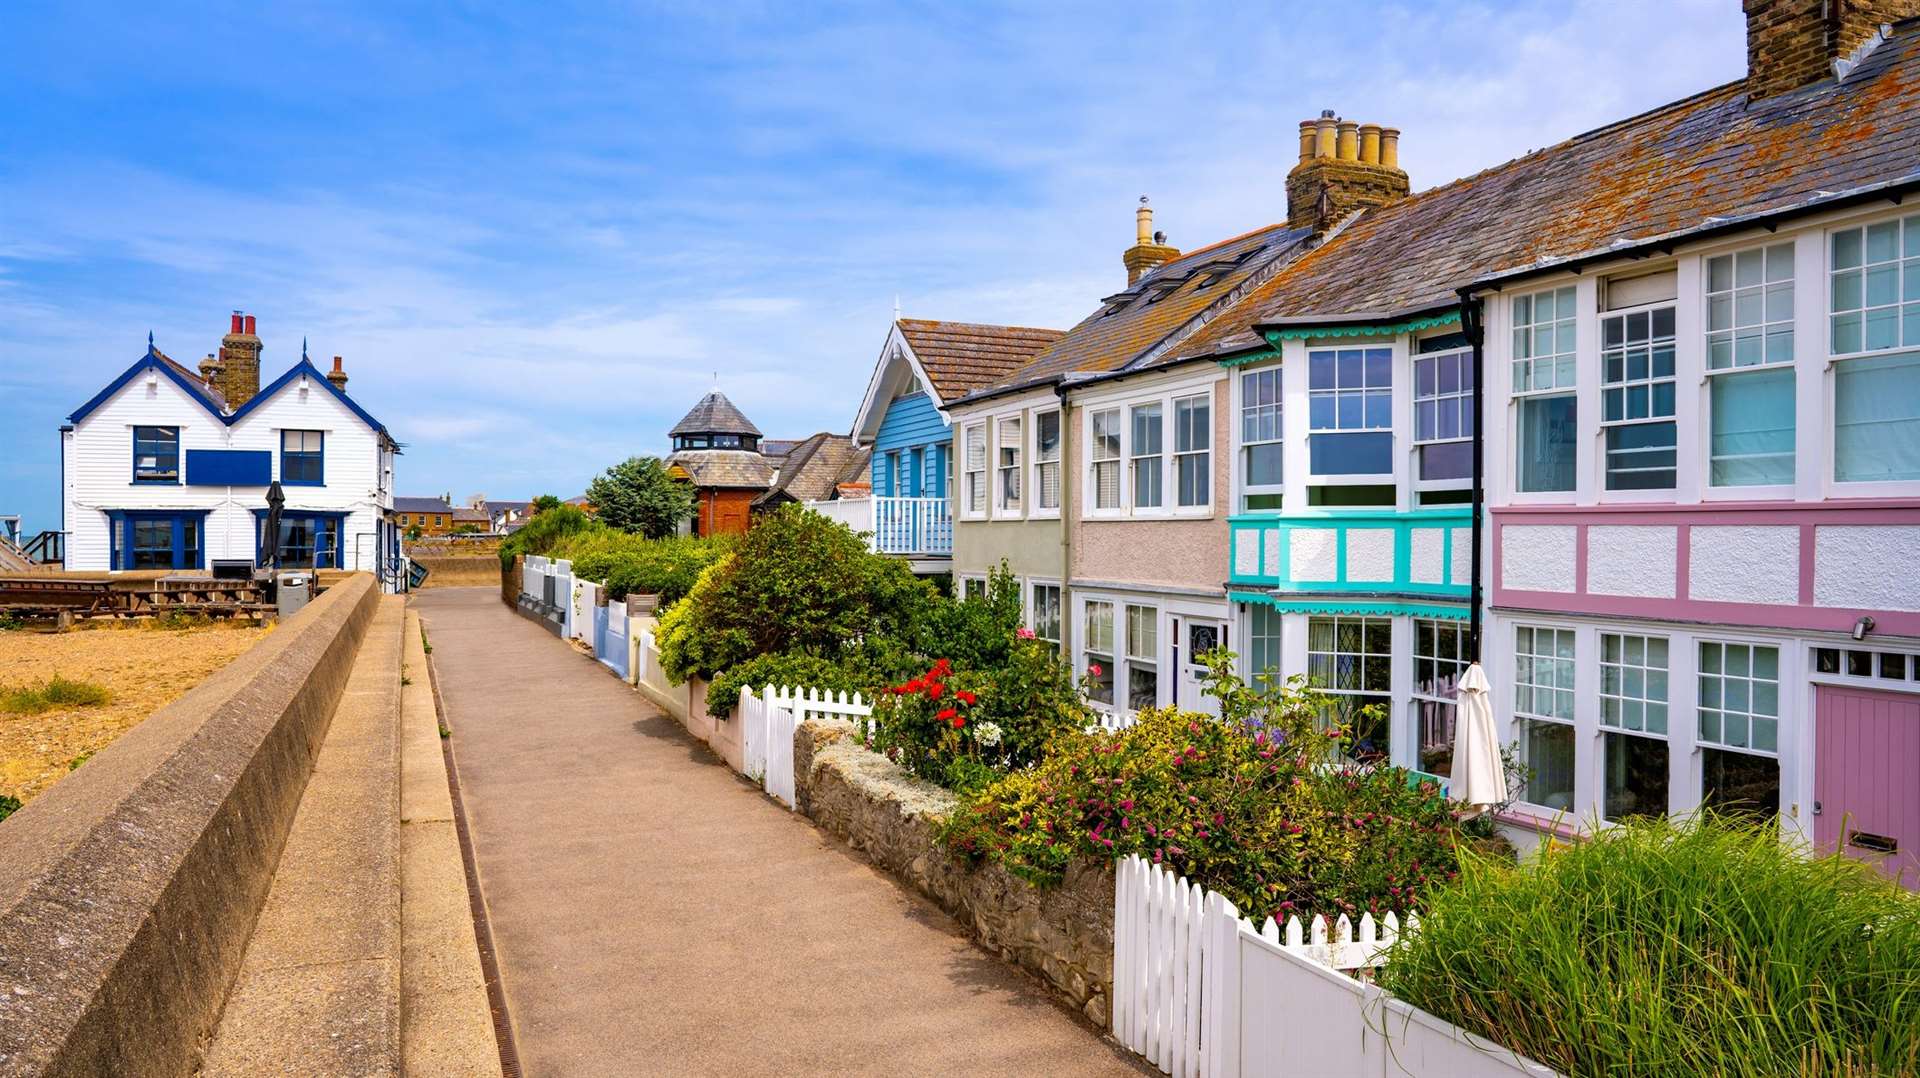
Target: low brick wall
129,890
1063,934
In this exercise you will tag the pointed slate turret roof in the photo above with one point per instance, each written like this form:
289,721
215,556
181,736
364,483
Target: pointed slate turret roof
715,414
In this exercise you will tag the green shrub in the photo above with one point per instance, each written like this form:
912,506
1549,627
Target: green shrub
9,805
1256,804
1706,947
55,692
795,669
543,530
796,582
629,564
637,495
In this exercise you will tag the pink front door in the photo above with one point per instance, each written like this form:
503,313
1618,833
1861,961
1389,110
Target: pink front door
1866,784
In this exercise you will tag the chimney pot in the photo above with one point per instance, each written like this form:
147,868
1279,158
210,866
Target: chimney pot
250,329
1369,144
1349,144
1307,130
236,322
1143,222
1323,137
1390,147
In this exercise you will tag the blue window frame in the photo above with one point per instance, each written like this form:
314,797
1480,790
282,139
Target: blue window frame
307,540
303,458
157,538
156,454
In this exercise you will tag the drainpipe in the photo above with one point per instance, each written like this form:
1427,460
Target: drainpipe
1066,525
1475,331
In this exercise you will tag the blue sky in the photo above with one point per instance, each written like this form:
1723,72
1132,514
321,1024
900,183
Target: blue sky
534,232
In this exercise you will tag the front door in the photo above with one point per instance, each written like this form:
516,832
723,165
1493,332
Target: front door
1866,783
1193,638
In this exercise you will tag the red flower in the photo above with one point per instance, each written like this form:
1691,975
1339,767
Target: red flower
1023,633
934,689
942,668
965,696
958,722
1094,669
947,713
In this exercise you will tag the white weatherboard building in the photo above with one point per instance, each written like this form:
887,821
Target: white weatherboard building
169,469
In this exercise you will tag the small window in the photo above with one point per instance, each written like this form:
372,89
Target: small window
1439,661
1104,460
1543,707
1875,287
1146,464
301,457
976,469
1100,652
156,454
1193,451
1143,671
1544,344
1637,398
973,587
1045,614
1633,717
1443,415
1739,716
1263,643
1350,389
1351,659
1261,437
1008,499
1046,461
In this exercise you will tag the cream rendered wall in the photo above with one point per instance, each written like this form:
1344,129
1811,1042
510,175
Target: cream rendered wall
1028,542
1184,552
99,468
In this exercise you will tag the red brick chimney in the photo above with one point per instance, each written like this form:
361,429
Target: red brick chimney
1794,43
337,376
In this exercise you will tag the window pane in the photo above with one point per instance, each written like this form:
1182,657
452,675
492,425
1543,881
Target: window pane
1548,748
1752,428
1740,783
1547,443
1877,419
1636,777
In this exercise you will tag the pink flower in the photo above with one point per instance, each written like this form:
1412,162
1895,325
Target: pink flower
1023,633
1094,669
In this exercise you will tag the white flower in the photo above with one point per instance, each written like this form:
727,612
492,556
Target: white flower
987,733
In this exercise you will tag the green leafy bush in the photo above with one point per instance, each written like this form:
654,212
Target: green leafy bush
1656,948
796,669
796,582
1257,805
637,495
9,805
630,564
543,530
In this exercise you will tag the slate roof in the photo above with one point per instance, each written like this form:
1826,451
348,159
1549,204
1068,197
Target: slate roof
1165,305
211,392
715,414
724,468
814,468
421,505
960,357
780,447
1699,162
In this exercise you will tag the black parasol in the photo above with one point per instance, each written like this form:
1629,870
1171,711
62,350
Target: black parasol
275,502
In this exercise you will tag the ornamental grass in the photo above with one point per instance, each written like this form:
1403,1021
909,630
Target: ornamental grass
1707,947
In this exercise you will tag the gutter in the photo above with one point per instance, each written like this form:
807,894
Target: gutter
1066,523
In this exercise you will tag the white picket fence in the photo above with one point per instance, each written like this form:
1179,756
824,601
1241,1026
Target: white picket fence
768,720
1201,992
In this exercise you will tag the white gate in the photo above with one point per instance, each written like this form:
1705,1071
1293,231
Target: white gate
768,721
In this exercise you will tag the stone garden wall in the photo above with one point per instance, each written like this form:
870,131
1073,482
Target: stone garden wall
1063,934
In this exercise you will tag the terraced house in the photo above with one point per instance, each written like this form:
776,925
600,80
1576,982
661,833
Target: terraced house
168,468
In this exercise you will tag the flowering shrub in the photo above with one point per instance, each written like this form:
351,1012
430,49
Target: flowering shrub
1260,809
966,728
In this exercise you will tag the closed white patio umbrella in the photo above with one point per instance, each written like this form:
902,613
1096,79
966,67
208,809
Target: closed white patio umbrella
1479,779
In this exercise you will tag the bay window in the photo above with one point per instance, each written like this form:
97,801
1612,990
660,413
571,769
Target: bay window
1350,411
1143,670
1633,720
1439,661
1099,652
1261,480
1351,660
1543,662
1193,450
1443,413
1103,462
1046,461
975,462
1544,344
1008,500
1146,449
1739,716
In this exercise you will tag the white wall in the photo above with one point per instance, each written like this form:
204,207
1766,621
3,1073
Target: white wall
99,468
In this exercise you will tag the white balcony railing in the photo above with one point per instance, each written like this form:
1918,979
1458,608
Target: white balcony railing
916,527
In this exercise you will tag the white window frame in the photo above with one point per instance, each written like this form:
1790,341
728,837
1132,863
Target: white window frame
1535,714
1177,456
1148,615
1151,466
1118,462
1060,614
1037,509
961,580
1613,684
1460,399
1384,694
1727,330
1788,737
974,499
1518,394
1905,260
1650,384
1903,263
1124,404
1009,493
1085,654
1448,702
1909,682
1252,414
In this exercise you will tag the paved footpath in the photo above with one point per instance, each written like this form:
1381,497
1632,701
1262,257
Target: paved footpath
653,913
